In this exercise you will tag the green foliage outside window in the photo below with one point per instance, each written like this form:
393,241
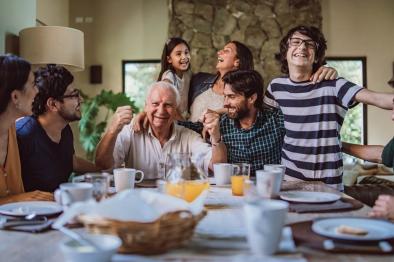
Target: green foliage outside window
138,78
352,128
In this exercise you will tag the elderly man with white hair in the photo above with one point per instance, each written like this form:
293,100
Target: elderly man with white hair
145,150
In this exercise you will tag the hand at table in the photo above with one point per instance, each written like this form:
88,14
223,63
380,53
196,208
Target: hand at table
28,196
384,207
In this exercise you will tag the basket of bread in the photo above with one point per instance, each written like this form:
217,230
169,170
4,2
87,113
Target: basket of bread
147,222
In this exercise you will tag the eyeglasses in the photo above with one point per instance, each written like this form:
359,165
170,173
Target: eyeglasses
295,41
75,94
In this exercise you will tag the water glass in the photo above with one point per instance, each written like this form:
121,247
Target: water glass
100,182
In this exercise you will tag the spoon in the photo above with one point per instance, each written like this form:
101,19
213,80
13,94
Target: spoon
79,238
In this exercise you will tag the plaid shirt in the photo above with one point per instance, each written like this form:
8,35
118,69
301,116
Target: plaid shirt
259,145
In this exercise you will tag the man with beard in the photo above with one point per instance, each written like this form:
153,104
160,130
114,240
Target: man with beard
45,139
251,134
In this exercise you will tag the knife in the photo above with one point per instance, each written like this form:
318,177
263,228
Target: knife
383,246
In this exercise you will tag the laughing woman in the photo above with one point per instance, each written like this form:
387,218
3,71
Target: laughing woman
17,92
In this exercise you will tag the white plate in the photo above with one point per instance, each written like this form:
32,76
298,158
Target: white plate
377,229
309,197
40,208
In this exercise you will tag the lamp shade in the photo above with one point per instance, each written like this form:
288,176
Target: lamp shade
59,45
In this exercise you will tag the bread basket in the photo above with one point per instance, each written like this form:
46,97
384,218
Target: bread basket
171,230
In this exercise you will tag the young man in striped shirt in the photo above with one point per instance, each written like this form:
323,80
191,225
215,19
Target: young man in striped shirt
313,113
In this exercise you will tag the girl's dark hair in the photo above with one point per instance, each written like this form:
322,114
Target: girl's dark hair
14,72
244,56
247,83
170,44
52,81
315,34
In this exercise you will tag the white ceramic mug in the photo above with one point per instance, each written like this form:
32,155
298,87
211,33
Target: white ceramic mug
268,183
223,172
69,193
124,178
264,222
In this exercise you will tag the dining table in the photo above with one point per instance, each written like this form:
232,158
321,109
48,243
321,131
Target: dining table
221,206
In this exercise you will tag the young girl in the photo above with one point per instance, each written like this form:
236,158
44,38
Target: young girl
175,69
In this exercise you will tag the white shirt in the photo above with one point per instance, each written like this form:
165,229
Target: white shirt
143,151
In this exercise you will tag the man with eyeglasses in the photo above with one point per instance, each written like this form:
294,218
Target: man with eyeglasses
313,112
45,139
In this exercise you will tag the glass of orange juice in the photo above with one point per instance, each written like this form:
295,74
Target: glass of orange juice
237,184
237,179
244,169
193,188
187,190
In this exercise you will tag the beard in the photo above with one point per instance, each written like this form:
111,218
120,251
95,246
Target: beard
70,116
239,113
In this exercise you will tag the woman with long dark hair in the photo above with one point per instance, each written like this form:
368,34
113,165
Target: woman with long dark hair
17,92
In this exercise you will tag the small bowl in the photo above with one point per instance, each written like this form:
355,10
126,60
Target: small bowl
74,251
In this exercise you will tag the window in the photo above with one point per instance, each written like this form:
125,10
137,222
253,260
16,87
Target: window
137,77
353,69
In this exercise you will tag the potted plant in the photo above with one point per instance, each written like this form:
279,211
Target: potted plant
89,130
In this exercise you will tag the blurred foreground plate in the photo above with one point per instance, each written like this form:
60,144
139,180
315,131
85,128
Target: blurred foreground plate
309,197
377,229
40,208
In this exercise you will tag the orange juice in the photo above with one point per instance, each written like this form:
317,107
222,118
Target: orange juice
174,189
237,185
193,189
188,190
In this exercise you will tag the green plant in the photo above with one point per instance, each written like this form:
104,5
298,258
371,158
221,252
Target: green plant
89,130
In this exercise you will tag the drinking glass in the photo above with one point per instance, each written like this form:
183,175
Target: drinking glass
237,179
100,182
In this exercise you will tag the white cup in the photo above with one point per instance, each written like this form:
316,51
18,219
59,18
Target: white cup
223,172
124,178
269,167
69,193
264,222
268,183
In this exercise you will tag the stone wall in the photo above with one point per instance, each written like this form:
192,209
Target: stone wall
209,24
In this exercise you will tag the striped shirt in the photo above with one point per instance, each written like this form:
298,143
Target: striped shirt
313,116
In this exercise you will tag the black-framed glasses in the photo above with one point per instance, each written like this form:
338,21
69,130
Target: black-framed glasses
295,41
75,94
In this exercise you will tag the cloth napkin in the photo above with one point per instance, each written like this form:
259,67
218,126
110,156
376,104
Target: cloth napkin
339,205
132,205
